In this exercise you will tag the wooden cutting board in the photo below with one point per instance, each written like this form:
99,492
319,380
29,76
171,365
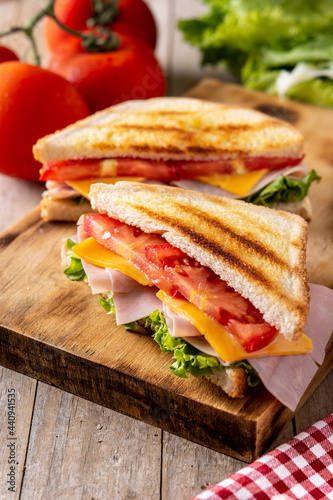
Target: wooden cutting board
55,330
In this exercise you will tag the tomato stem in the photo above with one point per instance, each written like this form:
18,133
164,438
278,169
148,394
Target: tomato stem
104,12
101,39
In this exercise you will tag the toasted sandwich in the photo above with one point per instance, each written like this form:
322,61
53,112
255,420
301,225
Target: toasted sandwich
221,283
190,143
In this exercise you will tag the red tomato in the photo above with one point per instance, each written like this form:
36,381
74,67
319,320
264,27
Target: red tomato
134,17
173,271
33,102
7,54
107,78
164,171
119,238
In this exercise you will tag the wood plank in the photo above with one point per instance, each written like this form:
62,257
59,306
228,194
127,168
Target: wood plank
83,450
91,357
189,468
14,440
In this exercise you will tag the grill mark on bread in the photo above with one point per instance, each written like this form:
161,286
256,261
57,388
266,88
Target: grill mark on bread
143,148
240,238
230,128
215,249
153,128
188,149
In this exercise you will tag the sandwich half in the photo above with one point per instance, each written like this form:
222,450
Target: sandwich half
190,143
223,284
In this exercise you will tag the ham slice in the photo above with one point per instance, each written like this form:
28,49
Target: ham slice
286,377
296,372
179,326
59,190
299,171
319,325
131,299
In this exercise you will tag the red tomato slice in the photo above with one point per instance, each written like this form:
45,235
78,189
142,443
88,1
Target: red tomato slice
252,336
121,167
164,171
201,286
173,271
129,242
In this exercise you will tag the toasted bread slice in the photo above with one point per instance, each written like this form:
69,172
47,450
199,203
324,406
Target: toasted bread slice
172,128
258,251
63,209
232,380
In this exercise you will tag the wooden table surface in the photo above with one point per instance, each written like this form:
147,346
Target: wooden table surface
68,447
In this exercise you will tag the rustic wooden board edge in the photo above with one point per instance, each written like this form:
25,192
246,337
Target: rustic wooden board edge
241,438
132,397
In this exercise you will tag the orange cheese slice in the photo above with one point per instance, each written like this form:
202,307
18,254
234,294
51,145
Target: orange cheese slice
83,186
225,345
95,253
239,184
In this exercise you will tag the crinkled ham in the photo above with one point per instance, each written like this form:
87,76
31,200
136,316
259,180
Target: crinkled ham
179,326
287,377
59,190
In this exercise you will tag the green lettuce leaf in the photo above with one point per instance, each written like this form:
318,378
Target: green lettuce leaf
189,360
78,200
74,271
318,92
284,189
318,50
256,39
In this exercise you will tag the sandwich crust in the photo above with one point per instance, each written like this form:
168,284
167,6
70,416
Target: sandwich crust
63,209
258,251
233,381
171,128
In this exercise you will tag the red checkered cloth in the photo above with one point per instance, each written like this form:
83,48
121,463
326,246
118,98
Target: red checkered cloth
302,468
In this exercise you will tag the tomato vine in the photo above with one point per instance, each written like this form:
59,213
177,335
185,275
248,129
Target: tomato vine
99,39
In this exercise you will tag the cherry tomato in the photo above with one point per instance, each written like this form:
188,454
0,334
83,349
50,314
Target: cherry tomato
7,54
33,102
134,17
107,78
